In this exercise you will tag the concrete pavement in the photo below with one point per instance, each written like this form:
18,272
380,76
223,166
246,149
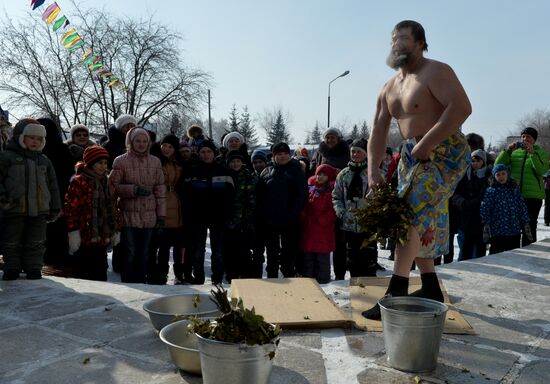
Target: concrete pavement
58,330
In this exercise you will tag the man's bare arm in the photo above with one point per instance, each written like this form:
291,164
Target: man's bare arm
377,141
446,89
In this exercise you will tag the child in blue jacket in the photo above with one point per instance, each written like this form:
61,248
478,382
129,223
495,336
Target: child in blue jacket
503,212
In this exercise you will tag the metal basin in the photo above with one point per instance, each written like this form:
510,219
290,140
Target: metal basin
167,309
183,346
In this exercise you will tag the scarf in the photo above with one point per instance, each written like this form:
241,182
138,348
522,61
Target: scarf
103,210
356,185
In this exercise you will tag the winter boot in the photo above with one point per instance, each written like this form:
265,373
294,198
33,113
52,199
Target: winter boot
430,287
10,274
399,286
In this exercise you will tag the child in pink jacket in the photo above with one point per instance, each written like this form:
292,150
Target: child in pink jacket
318,218
139,183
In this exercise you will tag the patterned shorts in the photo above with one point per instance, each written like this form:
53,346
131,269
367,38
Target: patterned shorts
427,186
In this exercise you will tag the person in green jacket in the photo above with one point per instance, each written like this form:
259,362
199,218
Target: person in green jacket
528,162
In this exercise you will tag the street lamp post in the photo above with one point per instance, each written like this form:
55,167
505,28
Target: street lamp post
337,77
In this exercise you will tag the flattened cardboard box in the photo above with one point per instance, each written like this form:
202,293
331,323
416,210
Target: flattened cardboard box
291,303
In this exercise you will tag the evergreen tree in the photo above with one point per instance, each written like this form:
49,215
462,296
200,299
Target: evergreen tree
307,140
316,134
278,132
234,120
247,129
364,132
354,134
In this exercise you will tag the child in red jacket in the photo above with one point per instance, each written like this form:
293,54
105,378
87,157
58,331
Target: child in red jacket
91,215
318,218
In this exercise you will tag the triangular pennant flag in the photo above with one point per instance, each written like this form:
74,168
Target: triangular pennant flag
53,16
87,54
106,74
61,22
67,42
113,82
69,33
49,10
75,45
89,60
37,3
100,70
94,67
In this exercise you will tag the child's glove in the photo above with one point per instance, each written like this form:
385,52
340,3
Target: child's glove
115,239
527,232
74,241
140,191
486,233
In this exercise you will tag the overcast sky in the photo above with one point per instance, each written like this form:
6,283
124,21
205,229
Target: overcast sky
283,53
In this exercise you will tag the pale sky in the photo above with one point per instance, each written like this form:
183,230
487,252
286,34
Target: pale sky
284,53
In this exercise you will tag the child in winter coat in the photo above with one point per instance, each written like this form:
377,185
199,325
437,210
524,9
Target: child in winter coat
237,256
318,218
90,214
139,183
29,196
467,200
503,212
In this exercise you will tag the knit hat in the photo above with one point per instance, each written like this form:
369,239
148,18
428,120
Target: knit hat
78,127
232,155
359,144
29,127
328,170
280,147
531,132
133,133
124,120
208,144
93,154
184,144
481,154
231,135
332,131
258,154
172,140
500,167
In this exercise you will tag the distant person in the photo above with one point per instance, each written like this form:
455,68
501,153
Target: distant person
29,197
318,218
467,200
430,105
282,194
503,213
259,163
528,163
116,145
79,141
139,184
334,151
90,212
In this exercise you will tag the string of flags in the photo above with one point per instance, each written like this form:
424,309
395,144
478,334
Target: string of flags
71,40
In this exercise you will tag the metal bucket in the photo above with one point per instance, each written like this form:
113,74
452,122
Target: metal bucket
412,332
183,346
230,363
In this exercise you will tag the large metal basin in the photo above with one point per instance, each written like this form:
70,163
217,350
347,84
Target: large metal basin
167,309
183,346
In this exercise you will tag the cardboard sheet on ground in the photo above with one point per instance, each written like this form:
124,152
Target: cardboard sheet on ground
291,303
366,291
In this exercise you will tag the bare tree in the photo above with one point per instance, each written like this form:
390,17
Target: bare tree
40,76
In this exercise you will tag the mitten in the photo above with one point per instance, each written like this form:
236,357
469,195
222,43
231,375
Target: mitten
140,191
74,241
115,239
52,216
486,233
527,232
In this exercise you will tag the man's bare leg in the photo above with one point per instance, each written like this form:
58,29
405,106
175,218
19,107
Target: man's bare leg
399,283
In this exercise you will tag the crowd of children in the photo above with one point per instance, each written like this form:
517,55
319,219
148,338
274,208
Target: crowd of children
148,200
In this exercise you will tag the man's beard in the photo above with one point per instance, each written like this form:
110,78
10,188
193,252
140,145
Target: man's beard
397,61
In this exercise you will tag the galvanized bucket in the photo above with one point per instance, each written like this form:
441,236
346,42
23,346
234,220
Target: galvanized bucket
231,363
412,332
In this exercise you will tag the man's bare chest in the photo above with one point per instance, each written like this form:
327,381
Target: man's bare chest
409,97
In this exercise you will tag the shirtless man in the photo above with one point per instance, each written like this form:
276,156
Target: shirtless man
430,105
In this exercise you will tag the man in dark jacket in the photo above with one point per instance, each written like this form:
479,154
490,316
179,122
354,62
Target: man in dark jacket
116,145
282,194
334,151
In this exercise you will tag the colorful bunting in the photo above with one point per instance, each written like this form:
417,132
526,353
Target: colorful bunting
61,22
36,3
71,40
